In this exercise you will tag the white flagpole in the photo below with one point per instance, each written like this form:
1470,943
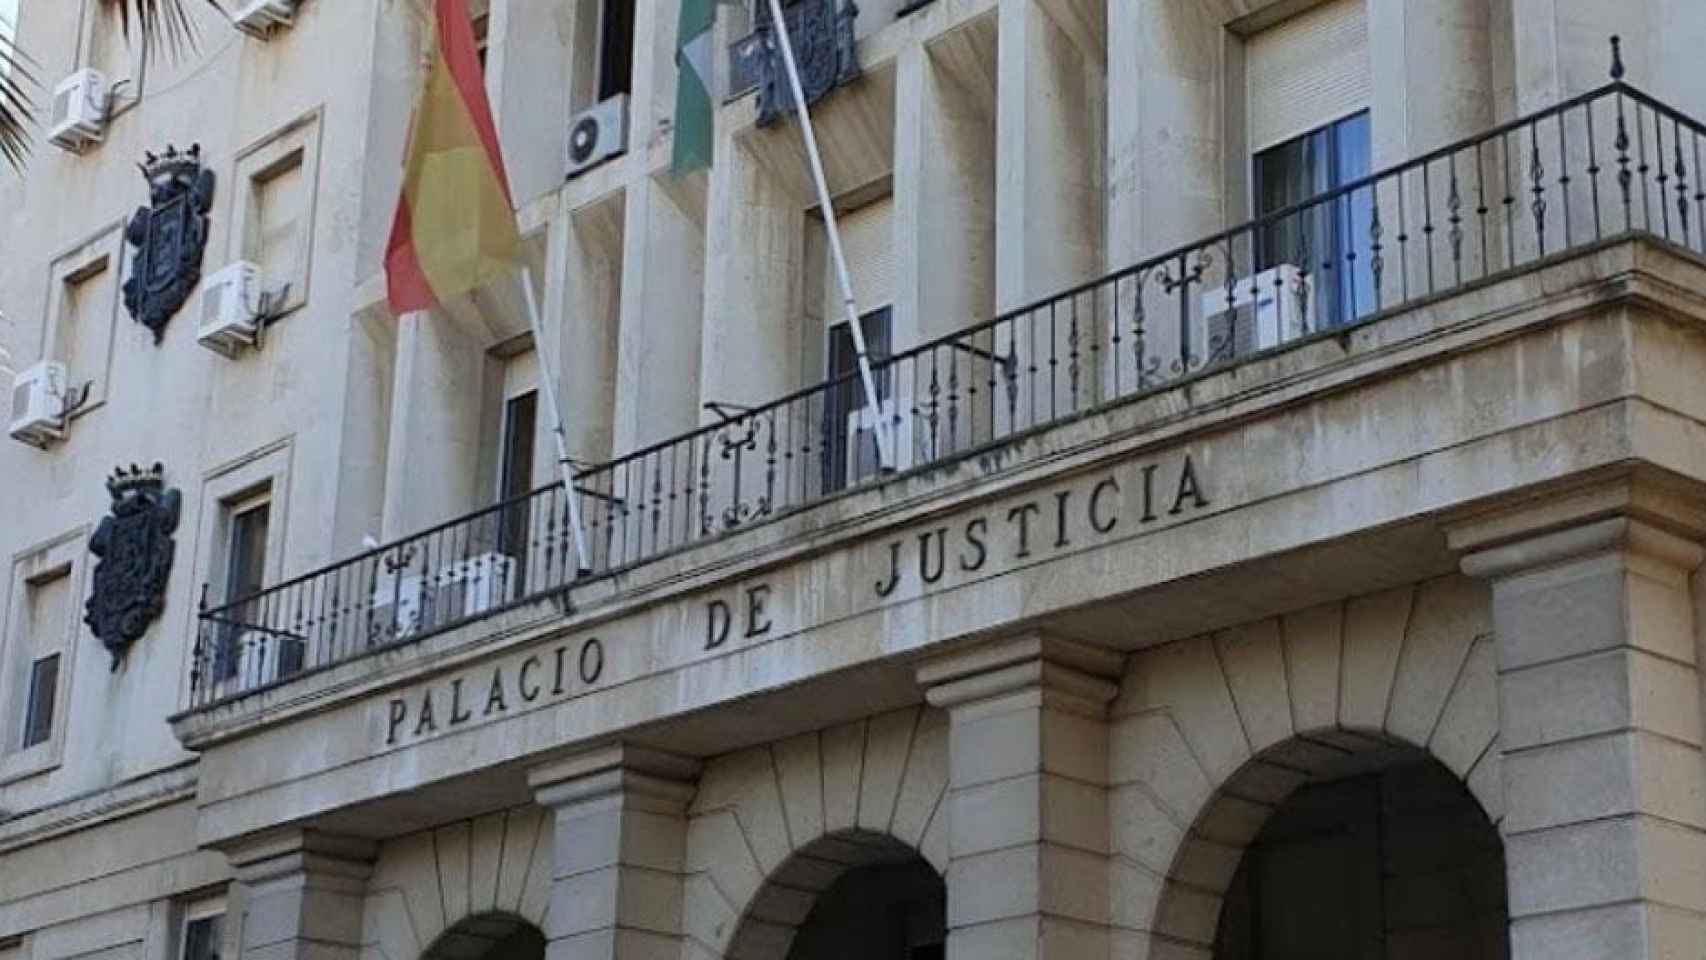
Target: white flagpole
884,436
548,378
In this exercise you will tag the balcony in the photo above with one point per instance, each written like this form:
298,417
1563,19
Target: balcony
1604,167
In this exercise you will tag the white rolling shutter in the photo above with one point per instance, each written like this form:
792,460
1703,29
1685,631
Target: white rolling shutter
867,238
1306,72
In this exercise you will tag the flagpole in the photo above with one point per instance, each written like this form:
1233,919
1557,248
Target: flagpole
885,453
547,378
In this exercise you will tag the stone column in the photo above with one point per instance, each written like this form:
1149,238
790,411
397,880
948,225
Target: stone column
1027,797
299,894
621,831
1600,725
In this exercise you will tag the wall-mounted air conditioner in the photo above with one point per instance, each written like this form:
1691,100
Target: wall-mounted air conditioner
259,18
229,298
408,603
598,133
39,404
244,660
79,115
1264,311
862,449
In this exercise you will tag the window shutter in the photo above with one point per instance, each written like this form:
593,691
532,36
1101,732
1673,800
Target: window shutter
1306,72
868,240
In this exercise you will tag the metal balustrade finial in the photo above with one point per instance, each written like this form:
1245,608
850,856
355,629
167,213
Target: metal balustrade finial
1616,57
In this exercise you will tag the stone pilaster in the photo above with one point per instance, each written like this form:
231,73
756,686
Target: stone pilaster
620,841
1600,726
300,894
1027,797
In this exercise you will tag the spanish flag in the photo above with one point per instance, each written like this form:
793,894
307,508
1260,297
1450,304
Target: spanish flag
454,229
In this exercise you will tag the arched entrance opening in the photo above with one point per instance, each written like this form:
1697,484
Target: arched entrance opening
489,936
855,895
1386,856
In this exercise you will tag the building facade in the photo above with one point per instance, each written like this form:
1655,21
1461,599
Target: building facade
1279,531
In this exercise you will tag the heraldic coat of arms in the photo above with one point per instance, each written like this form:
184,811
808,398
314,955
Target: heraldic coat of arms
169,235
822,34
135,548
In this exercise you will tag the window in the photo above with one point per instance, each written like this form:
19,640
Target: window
274,210
1330,244
850,446
203,931
615,48
37,653
83,311
515,475
38,705
241,635
481,15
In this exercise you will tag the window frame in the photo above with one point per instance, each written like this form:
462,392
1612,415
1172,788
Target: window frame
196,911
60,556
255,165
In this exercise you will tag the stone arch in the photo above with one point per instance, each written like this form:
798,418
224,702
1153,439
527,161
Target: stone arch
424,884
773,826
1211,734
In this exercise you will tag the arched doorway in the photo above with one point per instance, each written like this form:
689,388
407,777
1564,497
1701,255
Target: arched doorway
489,936
854,895
1390,857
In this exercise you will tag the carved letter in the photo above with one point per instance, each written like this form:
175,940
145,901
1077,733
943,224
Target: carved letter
557,687
399,711
975,529
1148,494
1023,513
755,599
1096,523
458,715
1188,487
531,663
495,699
884,589
426,724
592,661
924,571
717,622
1060,539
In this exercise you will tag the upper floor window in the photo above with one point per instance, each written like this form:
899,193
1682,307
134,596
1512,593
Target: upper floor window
39,701
615,48
36,651
1329,244
203,931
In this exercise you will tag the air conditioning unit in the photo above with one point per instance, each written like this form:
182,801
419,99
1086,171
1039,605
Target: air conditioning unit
38,404
863,459
228,299
1264,312
408,603
258,18
597,134
247,660
79,110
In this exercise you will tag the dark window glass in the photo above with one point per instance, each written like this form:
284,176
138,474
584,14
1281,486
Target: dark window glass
245,572
515,477
846,454
616,53
202,936
38,705
482,37
1330,243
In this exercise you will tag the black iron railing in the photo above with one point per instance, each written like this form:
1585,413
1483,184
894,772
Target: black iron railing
1609,163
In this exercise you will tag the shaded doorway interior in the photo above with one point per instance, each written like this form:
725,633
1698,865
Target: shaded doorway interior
883,911
1398,862
489,936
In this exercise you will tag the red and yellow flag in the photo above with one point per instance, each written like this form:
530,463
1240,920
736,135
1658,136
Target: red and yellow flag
454,229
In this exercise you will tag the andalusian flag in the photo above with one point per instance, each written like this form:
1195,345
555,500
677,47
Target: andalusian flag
455,224
693,107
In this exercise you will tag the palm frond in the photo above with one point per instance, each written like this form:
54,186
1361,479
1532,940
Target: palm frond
161,26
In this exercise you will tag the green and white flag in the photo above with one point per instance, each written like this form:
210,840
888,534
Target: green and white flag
693,103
